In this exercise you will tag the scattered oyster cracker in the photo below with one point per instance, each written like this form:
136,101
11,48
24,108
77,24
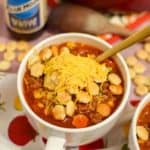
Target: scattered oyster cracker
2,105
2,47
140,79
137,69
11,51
147,47
131,61
20,56
142,54
11,46
23,45
17,104
5,65
132,73
141,90
9,56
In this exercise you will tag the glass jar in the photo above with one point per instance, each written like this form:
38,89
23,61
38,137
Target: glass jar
26,16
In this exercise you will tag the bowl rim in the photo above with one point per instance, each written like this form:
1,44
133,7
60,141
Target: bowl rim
72,130
144,101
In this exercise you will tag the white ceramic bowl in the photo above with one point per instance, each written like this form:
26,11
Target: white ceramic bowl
74,137
133,144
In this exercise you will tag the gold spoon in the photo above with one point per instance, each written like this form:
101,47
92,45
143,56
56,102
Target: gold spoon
132,39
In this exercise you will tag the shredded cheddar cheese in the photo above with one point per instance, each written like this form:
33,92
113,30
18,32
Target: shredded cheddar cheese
75,72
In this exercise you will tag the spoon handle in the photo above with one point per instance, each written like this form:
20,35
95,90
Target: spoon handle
134,38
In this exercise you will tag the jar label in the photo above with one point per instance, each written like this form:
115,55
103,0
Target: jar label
24,15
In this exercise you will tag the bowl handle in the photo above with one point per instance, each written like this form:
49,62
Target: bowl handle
55,143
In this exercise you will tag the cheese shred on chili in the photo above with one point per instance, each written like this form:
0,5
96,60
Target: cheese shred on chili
75,72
